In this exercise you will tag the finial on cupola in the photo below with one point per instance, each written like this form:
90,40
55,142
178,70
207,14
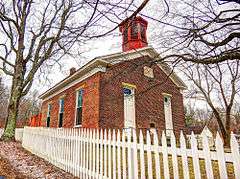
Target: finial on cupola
133,33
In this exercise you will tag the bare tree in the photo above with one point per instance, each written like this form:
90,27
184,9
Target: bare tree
219,85
35,32
198,31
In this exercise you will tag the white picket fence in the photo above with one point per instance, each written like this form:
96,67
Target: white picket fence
110,154
18,133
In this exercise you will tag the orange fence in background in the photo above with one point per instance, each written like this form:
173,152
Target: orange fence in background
35,121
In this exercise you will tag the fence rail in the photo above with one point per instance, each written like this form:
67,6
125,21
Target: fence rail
117,154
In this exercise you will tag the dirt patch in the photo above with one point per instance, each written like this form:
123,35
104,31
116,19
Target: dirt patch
16,162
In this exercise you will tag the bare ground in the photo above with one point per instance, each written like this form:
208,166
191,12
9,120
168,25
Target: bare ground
17,163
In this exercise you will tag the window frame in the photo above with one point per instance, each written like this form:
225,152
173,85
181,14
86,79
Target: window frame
132,88
76,107
49,114
60,111
168,104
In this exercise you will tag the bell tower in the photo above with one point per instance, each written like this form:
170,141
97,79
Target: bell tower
133,33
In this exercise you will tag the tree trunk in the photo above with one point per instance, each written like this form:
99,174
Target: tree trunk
224,129
16,94
227,137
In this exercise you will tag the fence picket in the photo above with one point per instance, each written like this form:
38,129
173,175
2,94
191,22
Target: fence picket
130,154
94,153
97,155
65,148
142,159
165,156
149,156
184,156
105,153
157,159
119,155
109,155
78,152
81,152
221,157
174,156
90,154
114,154
84,159
195,157
235,156
101,154
135,154
208,162
124,156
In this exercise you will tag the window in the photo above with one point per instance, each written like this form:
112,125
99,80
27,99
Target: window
61,111
142,30
129,107
134,30
79,105
49,114
168,114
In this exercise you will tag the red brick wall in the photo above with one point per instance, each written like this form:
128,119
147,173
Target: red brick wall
148,96
90,104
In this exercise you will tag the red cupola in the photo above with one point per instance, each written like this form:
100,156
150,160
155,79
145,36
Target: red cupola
134,33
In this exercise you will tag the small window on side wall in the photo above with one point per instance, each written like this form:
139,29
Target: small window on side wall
61,111
49,115
79,107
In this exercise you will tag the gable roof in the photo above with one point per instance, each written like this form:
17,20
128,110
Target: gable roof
101,62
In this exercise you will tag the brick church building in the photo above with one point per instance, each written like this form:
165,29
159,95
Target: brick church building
130,89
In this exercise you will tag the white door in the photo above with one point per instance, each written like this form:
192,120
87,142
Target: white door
168,114
129,108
